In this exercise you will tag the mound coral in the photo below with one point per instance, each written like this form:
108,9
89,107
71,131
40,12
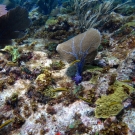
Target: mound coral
82,47
111,105
44,78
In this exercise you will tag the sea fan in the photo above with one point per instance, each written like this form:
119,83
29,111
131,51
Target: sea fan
82,48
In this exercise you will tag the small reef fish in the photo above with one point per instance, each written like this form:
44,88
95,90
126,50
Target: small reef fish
59,89
74,62
114,103
84,99
128,81
6,123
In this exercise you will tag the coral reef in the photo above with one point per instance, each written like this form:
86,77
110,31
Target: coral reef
90,91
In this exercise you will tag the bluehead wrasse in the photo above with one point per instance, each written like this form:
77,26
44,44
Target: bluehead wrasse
74,62
84,99
6,123
59,89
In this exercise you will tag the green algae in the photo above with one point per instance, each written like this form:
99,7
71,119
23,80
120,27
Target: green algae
13,51
51,21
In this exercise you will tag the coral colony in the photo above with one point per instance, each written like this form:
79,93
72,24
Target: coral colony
67,67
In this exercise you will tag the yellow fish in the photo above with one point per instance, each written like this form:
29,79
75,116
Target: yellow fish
74,62
114,103
6,123
84,99
126,81
59,89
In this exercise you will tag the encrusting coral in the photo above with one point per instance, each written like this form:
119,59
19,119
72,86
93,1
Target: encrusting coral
111,105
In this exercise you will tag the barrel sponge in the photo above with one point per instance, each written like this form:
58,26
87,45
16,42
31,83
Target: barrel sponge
82,46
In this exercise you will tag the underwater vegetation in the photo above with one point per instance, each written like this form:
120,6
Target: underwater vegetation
13,51
93,13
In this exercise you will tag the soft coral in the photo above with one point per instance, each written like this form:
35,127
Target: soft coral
82,47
